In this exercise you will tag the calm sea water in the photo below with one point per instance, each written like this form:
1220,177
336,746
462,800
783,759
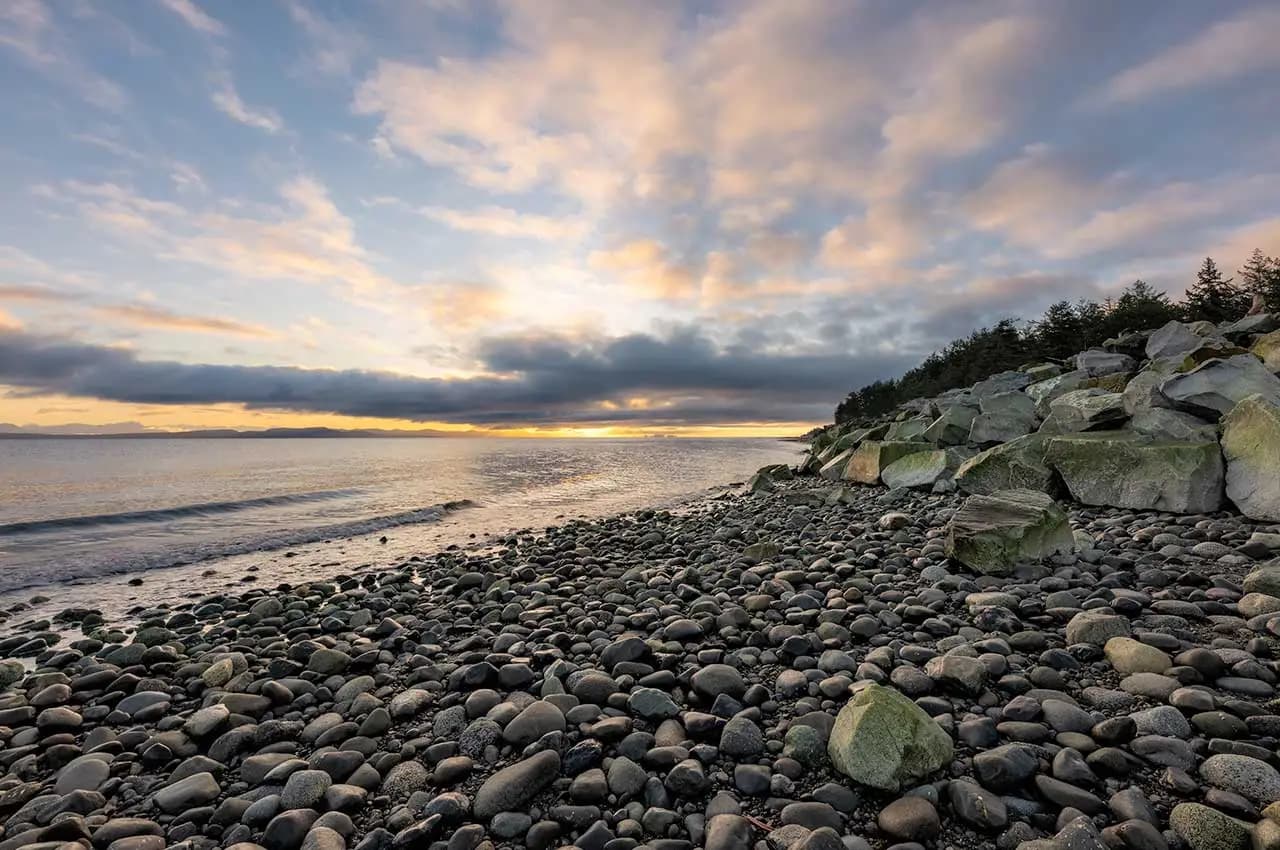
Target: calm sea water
73,512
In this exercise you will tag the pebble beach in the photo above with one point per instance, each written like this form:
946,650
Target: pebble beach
802,667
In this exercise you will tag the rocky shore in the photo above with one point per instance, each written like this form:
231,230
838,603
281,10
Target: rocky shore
1035,636
799,668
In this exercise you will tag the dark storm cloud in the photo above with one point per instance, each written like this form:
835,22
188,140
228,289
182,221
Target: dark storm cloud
544,380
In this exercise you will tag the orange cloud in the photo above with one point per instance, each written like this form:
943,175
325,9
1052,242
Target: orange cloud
157,317
647,267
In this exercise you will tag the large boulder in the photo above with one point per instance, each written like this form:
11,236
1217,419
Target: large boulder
1143,391
1098,362
1014,465
1251,443
1267,349
908,429
951,428
884,740
1172,340
833,470
918,470
1044,392
991,429
1213,388
993,534
1163,424
1084,410
870,458
1017,404
1258,323
1002,382
1126,470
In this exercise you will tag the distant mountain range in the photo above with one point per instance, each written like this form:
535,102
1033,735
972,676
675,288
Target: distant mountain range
14,432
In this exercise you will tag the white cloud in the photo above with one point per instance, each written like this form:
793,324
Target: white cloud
28,29
228,101
1239,45
504,221
194,17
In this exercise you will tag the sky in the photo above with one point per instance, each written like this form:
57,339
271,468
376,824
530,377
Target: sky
591,218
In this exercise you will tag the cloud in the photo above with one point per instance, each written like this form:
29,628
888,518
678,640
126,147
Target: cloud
463,304
532,380
504,221
310,241
28,29
1064,207
227,100
158,317
194,17
648,268
1242,44
8,321
20,292
334,46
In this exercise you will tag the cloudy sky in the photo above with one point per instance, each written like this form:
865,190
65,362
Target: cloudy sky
591,217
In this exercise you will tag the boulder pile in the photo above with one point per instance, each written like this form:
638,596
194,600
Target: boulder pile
1184,419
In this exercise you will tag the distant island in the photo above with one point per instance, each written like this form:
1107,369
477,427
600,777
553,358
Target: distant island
13,432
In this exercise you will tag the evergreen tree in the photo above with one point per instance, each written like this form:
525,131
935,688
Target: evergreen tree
1058,333
1261,276
1213,298
1141,307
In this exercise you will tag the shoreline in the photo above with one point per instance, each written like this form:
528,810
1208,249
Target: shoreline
672,679
139,588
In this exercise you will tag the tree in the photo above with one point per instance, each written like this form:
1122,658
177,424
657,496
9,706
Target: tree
1261,276
1213,298
1141,307
1057,334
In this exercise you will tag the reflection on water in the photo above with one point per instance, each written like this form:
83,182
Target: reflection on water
74,510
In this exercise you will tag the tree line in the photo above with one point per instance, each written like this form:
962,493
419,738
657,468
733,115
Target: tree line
1066,329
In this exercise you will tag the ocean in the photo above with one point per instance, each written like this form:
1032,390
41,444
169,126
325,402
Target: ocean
80,518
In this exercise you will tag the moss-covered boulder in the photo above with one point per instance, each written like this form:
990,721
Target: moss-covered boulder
833,469
1044,392
993,534
1126,470
1214,387
992,429
919,470
1251,443
908,429
884,740
951,428
1017,464
1267,349
1084,410
870,459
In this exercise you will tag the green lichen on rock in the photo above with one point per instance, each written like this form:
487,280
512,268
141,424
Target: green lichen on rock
1251,443
869,459
1017,464
1205,828
884,740
919,470
1267,349
993,534
1126,470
